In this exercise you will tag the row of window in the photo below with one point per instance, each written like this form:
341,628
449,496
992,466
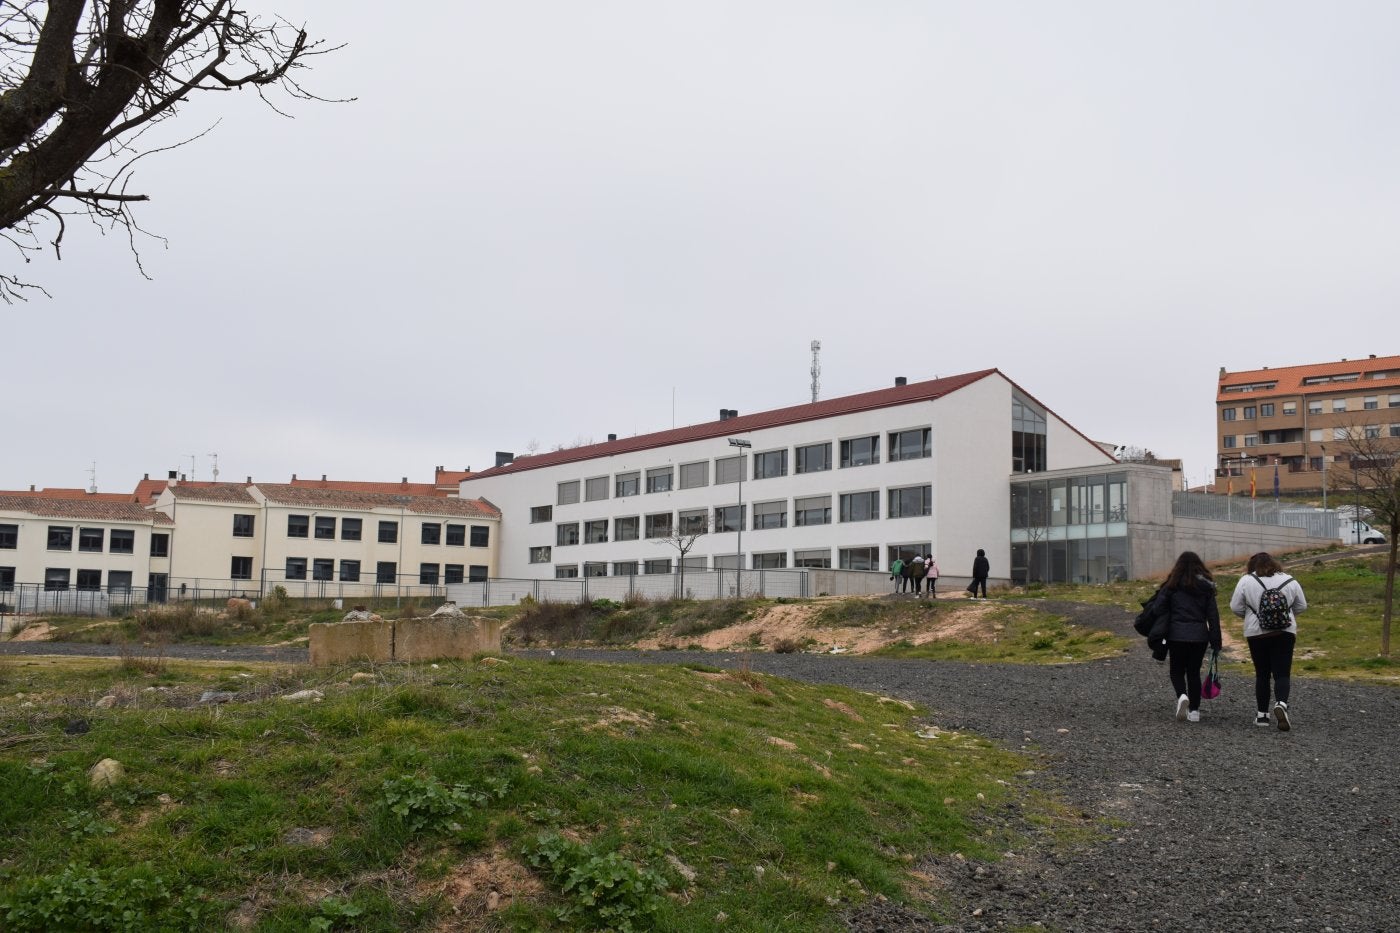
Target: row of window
90,540
351,529
1315,407
850,558
1369,432
385,571
767,464
61,578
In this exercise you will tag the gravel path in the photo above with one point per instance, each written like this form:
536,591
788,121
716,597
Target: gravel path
1214,826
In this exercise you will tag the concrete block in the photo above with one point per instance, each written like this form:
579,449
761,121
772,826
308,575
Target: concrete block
445,637
337,642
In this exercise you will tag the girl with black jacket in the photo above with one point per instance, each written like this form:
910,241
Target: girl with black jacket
1193,623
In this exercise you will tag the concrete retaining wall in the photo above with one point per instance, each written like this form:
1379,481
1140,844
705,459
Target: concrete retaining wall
404,640
1217,541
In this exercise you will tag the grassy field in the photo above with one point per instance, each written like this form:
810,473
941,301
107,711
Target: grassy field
1023,635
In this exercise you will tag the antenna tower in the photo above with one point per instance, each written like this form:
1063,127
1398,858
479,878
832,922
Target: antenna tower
215,458
92,472
816,369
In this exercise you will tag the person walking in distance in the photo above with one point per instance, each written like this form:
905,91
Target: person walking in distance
931,578
897,574
917,570
1193,622
981,569
1269,601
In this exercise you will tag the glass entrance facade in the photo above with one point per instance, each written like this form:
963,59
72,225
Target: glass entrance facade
1070,529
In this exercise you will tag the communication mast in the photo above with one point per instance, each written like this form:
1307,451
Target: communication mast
816,369
215,458
92,472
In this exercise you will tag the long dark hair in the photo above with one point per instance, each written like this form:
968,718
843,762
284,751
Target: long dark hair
1183,574
1264,564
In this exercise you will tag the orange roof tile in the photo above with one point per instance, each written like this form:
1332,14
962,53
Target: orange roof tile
403,488
213,492
1289,380
70,494
94,509
310,497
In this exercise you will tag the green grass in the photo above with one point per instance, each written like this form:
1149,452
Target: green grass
786,810
1020,635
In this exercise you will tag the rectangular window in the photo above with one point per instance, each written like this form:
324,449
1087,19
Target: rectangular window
568,492
1372,432
428,574
243,526
728,518
298,526
627,529
659,525
1395,430
481,536
1227,414
860,506
595,489
325,527
911,501
812,558
296,568
1339,405
812,510
240,568
860,558
349,569
386,571
691,522
727,562
456,535
1249,413
91,539
1340,434
911,445
595,569
1371,402
541,513
432,533
625,568
772,561
1315,408
119,581
1315,434
540,555
1290,408
814,458
695,475
160,544
1394,401
7,579
860,451
388,532
89,579
56,578
728,470
660,565
60,538
770,514
1266,409
477,573
769,464
596,531
1251,440
659,479
627,484
692,563
566,572
9,537
566,534
1227,441
453,573
323,568
351,528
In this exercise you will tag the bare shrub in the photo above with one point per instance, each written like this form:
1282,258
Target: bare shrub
786,646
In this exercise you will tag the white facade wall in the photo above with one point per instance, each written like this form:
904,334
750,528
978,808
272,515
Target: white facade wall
205,545
32,558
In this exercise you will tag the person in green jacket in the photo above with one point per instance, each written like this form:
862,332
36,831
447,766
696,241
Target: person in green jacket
897,573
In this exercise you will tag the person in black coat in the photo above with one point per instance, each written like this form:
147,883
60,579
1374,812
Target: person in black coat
1192,624
981,569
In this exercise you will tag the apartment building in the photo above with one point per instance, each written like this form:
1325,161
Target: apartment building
1299,419
848,482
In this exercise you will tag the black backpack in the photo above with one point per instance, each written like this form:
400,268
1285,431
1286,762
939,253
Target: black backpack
1150,610
1273,607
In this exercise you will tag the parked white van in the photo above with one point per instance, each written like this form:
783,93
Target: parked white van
1353,532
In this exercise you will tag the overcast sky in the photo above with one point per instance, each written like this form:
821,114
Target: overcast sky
542,222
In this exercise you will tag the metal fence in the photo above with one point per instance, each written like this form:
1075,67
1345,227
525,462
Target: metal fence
1319,522
696,584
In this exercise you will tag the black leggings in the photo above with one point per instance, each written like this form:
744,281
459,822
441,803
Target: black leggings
979,582
1186,658
1273,657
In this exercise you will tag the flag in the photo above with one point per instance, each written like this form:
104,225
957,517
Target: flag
1251,482
1275,480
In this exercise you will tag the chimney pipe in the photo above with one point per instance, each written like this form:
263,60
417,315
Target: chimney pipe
294,477
323,477
724,414
250,481
404,481
612,437
900,381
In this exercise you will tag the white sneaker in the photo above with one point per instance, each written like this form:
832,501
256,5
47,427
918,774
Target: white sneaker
1262,719
1193,716
1281,716
1181,703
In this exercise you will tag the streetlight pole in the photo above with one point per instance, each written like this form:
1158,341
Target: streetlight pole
739,556
1323,448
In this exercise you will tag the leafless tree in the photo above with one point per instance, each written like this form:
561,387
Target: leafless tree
83,81
685,534
1374,462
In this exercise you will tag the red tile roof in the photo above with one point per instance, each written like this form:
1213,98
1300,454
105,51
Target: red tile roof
287,494
212,492
94,509
1288,380
70,494
404,488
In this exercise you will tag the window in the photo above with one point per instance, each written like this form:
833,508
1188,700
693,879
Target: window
595,489
660,565
595,569
860,558
1249,413
89,579
122,541
388,532
860,451
349,569
7,579
1227,414
1290,408
860,506
325,527
691,522
1394,401
1314,408
1228,440
627,484
812,510
541,513
298,526
565,535
627,529
540,555
9,537
296,568
456,535
814,458
773,561
811,558
91,539
1251,440
695,475
693,563
727,518
350,529
596,531
119,581
1339,405
568,492
1371,402
1266,409
1340,434
659,525
453,573
240,568
386,571
323,568
476,573
481,536
911,501
769,464
728,470
659,479
770,514
911,445
625,568
56,578
243,526
160,544
727,561
1372,432
428,574
1395,430
60,538
566,572
432,533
